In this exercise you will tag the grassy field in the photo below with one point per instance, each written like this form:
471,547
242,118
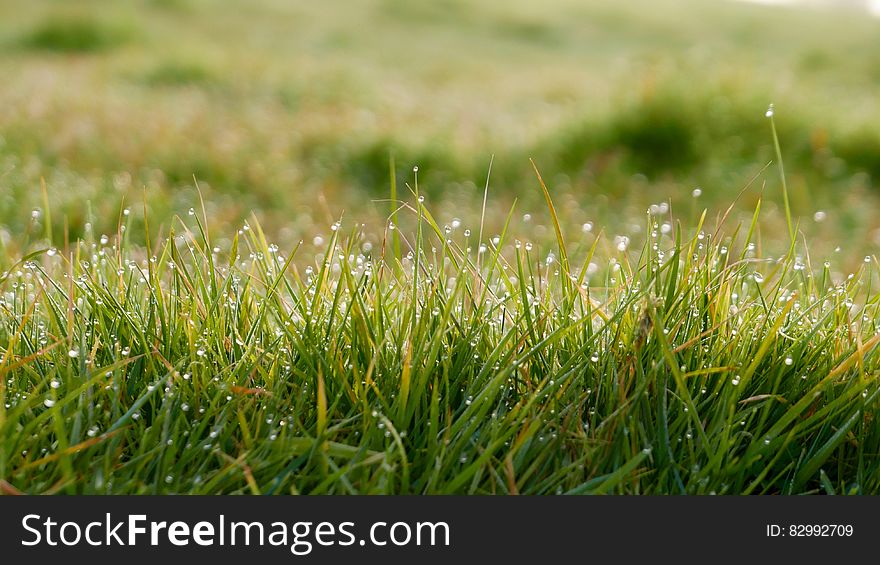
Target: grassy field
445,247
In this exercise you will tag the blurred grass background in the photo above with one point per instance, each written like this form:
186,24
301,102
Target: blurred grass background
291,109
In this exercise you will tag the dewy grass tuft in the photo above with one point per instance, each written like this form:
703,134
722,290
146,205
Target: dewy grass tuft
691,365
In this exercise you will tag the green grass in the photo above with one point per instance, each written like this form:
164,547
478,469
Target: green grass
700,362
181,73
77,35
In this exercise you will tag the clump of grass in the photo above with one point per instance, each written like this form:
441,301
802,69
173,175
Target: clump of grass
697,361
663,128
77,34
365,165
861,151
528,31
181,73
173,5
440,11
659,133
